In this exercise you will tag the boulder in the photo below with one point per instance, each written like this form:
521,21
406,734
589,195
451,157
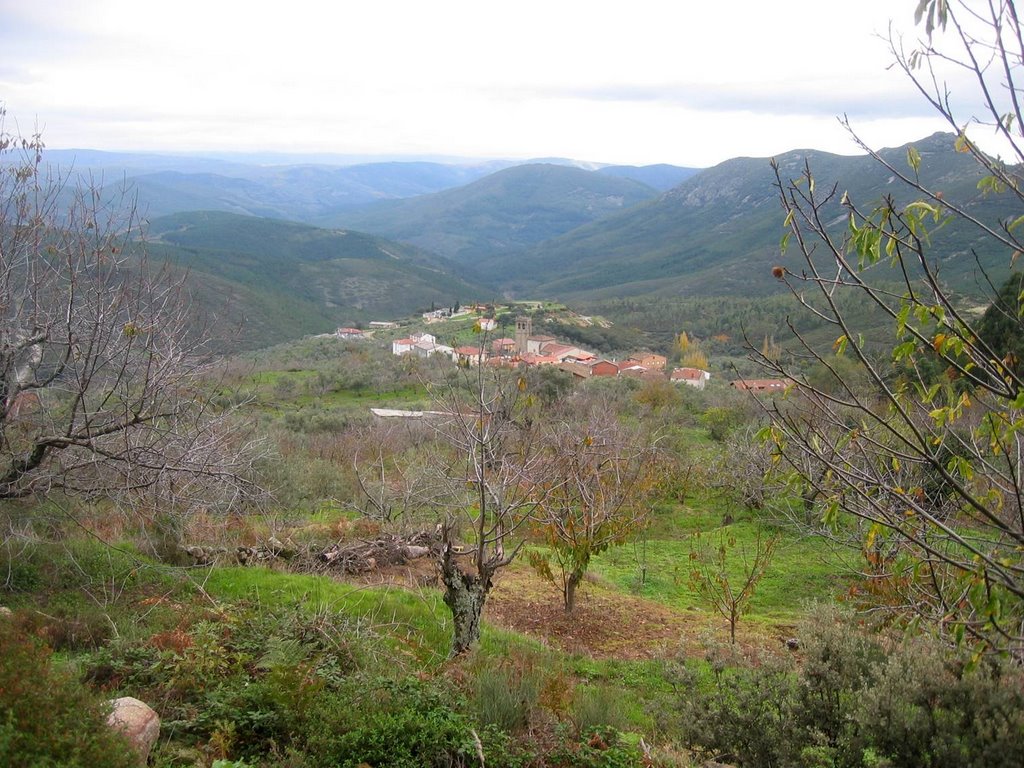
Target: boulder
5,612
138,722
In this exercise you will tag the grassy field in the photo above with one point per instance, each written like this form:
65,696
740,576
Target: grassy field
802,569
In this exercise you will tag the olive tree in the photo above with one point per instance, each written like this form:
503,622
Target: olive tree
921,461
102,356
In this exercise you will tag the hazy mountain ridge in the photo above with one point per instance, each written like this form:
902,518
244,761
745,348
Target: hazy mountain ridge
661,176
505,211
310,188
301,193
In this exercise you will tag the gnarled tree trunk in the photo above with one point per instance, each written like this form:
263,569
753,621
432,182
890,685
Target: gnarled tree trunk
464,594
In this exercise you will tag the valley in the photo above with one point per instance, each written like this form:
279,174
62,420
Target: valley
538,464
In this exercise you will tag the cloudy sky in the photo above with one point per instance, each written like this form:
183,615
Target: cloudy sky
689,82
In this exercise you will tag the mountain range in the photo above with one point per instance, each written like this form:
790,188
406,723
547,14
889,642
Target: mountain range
718,232
396,237
297,187
504,212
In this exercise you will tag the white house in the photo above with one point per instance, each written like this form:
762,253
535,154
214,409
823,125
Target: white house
421,345
405,346
692,377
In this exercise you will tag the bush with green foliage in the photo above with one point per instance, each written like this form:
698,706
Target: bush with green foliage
47,718
247,679
598,706
404,724
603,747
858,702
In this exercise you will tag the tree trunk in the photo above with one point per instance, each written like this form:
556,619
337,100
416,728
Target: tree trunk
464,594
569,590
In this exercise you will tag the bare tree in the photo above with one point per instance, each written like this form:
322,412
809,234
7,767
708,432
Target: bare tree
599,476
924,458
102,357
395,467
488,465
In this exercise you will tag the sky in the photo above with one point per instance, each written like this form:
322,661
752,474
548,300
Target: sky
687,82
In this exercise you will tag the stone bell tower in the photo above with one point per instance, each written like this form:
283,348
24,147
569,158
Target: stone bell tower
524,330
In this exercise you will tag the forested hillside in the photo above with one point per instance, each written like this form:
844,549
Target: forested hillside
501,213
718,232
275,280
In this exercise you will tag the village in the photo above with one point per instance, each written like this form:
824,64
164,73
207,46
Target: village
527,348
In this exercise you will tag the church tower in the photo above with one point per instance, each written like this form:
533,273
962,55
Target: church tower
524,330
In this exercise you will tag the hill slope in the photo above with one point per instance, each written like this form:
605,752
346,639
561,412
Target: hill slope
718,232
281,280
509,210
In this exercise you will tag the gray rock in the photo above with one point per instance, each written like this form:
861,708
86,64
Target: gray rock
138,722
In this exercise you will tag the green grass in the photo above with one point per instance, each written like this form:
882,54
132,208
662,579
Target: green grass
417,624
366,398
79,593
803,569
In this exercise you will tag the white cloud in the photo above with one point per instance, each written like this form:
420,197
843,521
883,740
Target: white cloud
652,81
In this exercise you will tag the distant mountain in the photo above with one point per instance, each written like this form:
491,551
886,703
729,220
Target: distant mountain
718,232
299,193
114,165
661,177
506,211
279,280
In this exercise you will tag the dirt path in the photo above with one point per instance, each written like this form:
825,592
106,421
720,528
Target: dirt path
605,623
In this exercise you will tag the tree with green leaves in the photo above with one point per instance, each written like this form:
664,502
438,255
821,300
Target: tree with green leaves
923,473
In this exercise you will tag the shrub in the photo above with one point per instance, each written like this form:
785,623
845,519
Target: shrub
245,684
856,703
506,697
925,709
598,707
598,748
747,717
720,421
46,717
405,724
